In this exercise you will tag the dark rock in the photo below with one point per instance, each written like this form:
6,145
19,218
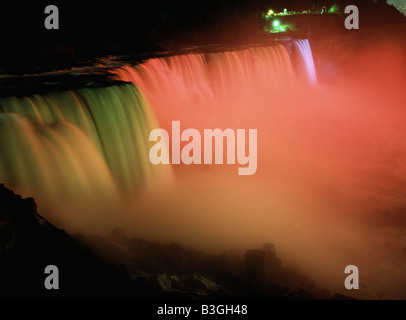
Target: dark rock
263,264
303,294
339,296
28,244
116,266
118,236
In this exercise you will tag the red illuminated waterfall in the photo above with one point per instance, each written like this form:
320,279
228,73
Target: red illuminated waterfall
219,74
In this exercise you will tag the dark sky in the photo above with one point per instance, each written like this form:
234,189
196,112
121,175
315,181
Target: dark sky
89,29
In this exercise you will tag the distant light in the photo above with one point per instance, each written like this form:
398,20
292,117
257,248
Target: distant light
275,23
285,10
333,9
270,12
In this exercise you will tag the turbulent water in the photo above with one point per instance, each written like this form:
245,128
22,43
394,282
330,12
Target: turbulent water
324,154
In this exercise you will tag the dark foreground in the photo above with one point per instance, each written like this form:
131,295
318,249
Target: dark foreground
116,267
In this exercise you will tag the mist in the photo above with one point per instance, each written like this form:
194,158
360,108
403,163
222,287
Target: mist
328,191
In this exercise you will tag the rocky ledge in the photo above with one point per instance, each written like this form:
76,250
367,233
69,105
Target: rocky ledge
118,267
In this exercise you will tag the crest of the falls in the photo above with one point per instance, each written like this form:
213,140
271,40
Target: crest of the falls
214,74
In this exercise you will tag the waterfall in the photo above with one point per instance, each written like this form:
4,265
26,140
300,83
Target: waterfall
51,159
303,58
56,141
207,75
87,144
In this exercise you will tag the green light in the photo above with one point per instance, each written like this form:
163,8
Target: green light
285,10
334,9
275,23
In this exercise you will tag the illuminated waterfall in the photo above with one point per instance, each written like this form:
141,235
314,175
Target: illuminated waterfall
50,160
304,60
87,137
208,75
87,144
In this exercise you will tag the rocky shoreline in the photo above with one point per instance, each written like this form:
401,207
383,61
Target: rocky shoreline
118,267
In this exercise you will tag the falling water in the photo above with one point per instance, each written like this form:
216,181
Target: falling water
51,159
207,75
93,140
58,137
89,144
303,59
